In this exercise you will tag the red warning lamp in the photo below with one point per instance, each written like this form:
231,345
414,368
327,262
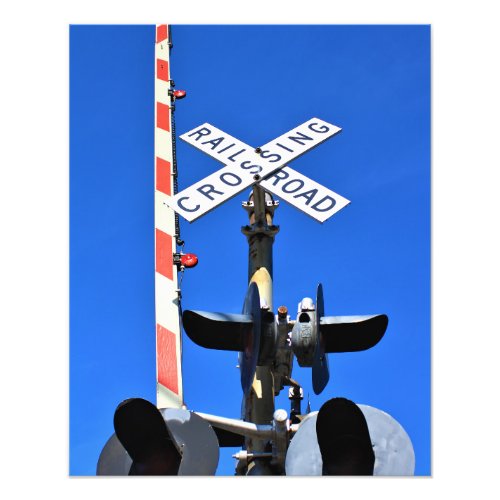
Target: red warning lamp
189,260
179,94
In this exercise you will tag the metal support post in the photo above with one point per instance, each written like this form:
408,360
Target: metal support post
258,405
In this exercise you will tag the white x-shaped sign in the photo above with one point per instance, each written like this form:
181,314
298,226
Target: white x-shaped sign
243,167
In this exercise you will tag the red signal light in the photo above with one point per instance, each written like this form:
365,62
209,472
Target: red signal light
179,94
189,260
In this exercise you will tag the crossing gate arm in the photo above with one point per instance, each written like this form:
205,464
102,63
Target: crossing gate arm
169,391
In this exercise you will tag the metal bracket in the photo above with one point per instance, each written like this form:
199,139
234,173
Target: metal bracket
283,361
278,433
260,206
177,260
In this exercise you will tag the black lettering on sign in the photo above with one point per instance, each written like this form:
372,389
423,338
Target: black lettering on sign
224,176
265,154
293,190
226,148
201,132
179,202
244,165
298,139
236,154
284,147
214,142
320,130
308,195
206,189
280,175
330,204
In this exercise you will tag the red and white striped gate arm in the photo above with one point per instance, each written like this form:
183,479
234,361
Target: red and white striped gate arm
168,332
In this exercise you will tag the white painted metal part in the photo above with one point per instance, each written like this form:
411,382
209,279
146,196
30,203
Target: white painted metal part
114,459
303,457
197,441
394,455
244,167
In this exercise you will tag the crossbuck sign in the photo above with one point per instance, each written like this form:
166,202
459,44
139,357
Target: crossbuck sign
245,166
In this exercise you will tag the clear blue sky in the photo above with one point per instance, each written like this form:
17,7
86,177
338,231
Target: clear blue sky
254,82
